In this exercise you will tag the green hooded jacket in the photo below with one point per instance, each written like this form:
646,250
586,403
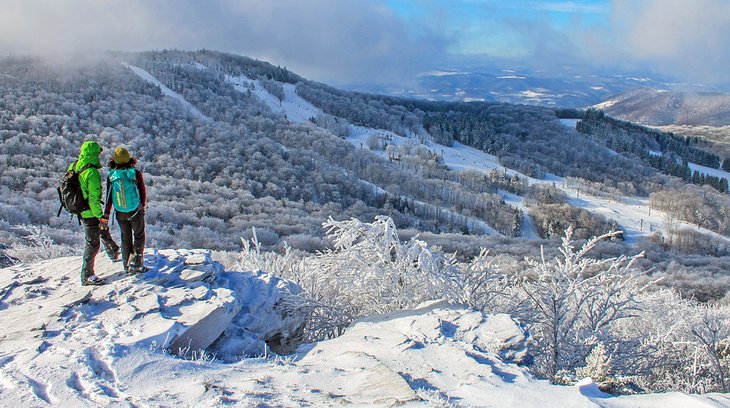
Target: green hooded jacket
90,179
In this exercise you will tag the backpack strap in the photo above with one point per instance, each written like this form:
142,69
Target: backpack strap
108,188
86,166
109,195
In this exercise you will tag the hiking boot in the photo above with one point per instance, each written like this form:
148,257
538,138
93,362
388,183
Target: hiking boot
92,280
113,254
137,265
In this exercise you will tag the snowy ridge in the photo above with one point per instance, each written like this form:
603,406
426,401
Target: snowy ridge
72,346
167,91
61,341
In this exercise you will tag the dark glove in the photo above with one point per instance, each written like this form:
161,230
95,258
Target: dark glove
104,223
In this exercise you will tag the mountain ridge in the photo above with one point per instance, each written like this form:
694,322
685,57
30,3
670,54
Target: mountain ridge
655,107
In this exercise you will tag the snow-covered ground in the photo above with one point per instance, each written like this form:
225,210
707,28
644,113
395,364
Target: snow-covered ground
709,171
296,109
167,91
571,123
67,345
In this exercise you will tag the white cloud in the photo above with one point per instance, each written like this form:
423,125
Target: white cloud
332,40
346,41
690,39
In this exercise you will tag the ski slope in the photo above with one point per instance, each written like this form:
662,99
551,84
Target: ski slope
709,171
168,92
632,214
296,109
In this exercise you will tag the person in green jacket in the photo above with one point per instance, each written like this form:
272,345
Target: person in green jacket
96,226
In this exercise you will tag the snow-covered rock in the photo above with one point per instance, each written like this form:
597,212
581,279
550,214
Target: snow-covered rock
434,347
183,304
266,318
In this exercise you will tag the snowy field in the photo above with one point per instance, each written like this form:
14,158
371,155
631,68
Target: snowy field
67,345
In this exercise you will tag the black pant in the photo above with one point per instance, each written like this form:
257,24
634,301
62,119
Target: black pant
133,235
92,234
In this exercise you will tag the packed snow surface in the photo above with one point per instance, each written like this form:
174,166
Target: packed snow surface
67,345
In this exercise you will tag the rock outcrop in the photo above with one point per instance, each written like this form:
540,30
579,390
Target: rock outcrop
185,303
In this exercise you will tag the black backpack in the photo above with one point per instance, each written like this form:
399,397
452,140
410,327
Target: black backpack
70,194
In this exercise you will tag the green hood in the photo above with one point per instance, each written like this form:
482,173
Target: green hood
89,154
90,179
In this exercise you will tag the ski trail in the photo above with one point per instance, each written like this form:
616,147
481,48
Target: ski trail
167,91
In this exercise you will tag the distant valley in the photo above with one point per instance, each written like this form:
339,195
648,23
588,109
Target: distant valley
570,88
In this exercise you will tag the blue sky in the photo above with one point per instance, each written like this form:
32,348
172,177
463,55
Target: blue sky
498,27
392,41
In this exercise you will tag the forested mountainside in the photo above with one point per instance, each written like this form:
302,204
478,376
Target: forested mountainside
229,159
666,107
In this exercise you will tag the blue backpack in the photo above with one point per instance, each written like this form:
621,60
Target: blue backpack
123,190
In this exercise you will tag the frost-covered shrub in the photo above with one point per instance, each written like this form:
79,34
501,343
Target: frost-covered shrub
371,271
306,243
598,365
684,345
573,302
266,236
39,246
588,317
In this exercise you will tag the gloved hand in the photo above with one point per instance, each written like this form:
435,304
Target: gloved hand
104,223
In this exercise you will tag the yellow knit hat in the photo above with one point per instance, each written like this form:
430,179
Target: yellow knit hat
121,155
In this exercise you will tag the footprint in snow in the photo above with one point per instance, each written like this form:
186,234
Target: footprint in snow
40,390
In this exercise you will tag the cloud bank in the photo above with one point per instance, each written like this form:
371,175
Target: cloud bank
334,40
687,39
373,41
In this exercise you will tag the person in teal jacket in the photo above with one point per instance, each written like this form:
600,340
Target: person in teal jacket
96,226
